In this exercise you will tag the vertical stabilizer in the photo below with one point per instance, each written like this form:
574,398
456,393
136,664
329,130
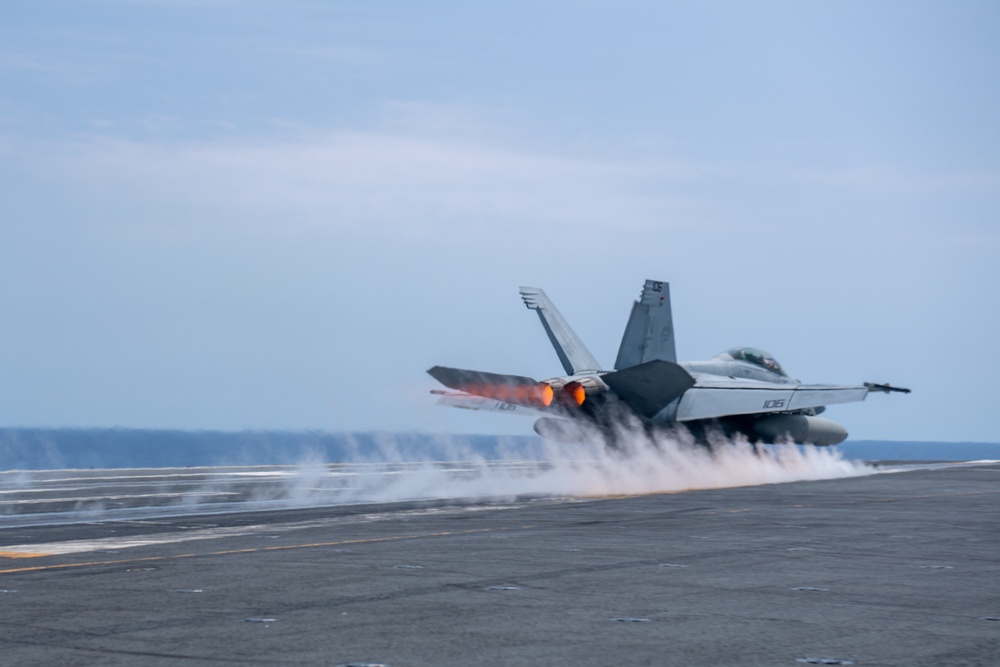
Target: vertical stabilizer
649,333
573,354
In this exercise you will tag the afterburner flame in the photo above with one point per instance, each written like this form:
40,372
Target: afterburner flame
536,395
544,394
575,392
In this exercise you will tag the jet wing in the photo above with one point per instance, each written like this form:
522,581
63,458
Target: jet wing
711,398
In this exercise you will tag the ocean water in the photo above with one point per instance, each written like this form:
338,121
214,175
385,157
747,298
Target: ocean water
53,449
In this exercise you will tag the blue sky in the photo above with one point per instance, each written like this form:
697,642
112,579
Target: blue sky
279,215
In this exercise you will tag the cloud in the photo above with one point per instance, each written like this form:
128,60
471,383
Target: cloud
370,181
70,70
338,54
899,179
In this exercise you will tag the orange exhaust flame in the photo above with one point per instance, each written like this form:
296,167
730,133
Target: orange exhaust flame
575,392
544,394
535,395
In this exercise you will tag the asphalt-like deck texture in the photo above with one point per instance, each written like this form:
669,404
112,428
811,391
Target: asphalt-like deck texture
890,569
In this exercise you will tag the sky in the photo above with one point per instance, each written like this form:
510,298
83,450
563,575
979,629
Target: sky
278,215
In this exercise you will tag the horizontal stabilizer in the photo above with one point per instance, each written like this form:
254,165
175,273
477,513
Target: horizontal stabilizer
510,388
649,387
481,404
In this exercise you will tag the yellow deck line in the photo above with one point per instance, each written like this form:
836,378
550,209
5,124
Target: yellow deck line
21,554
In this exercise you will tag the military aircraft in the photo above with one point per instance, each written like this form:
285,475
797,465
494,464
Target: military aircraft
742,391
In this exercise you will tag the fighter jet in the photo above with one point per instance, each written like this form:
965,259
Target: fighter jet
743,391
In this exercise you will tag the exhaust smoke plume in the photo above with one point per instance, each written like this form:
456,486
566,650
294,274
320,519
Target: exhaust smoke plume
391,468
642,464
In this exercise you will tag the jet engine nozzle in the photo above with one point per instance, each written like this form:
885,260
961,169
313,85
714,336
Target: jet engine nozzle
542,394
582,391
575,393
569,392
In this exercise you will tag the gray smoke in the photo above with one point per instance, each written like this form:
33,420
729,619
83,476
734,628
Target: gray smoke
642,464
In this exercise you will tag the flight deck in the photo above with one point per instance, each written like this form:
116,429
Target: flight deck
893,568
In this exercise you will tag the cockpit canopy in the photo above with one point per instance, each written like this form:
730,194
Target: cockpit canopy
752,355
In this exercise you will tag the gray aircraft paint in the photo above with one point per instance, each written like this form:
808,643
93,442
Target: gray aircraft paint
573,354
649,333
742,390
